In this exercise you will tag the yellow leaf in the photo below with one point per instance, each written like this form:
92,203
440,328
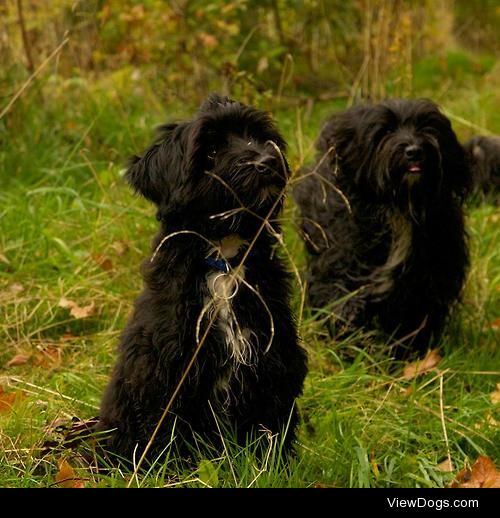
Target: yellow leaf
75,310
495,395
416,368
9,399
66,476
482,474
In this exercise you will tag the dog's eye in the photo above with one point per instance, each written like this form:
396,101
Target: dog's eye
249,143
211,153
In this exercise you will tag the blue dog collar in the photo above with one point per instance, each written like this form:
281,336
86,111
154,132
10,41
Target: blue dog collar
217,264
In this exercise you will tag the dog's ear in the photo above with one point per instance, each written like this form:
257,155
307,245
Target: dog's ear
149,174
339,134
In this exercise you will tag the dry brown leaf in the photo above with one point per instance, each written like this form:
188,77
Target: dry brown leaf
85,312
446,466
414,369
494,324
495,395
75,310
12,291
208,40
9,399
65,303
408,391
66,476
104,262
49,356
18,359
16,287
482,474
120,247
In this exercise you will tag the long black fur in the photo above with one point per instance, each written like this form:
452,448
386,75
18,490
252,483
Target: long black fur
483,154
381,215
229,156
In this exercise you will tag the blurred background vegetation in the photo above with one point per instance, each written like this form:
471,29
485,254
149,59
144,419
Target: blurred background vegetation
287,51
64,63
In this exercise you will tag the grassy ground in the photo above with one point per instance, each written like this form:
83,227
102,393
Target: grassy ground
70,228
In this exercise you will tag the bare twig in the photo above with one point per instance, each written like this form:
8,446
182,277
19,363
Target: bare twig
26,44
443,424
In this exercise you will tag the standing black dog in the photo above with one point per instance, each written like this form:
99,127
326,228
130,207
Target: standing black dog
383,222
483,154
215,291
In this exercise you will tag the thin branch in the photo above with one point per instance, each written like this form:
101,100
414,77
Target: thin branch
26,44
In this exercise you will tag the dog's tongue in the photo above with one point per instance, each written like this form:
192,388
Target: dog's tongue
414,169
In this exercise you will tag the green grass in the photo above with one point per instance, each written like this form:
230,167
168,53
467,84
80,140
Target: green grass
69,227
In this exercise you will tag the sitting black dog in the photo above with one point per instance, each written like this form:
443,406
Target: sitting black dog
381,215
483,154
211,344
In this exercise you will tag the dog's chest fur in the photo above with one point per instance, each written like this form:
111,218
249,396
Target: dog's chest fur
222,291
382,278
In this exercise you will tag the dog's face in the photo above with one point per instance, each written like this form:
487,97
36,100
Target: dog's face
401,151
228,156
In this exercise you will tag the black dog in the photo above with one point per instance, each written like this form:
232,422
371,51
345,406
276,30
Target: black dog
483,154
382,219
212,333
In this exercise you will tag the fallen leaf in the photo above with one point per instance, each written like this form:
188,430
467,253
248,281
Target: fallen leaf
104,262
65,303
16,287
208,40
49,356
446,466
495,395
9,399
414,369
75,310
66,476
495,324
85,312
120,247
11,292
18,359
482,474
492,421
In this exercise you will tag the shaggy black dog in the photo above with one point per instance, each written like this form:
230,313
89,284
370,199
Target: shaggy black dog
382,219
212,338
483,154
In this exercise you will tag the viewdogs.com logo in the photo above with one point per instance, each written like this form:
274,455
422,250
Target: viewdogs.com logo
427,503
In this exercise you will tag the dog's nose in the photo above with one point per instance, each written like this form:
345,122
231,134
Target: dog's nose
413,152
